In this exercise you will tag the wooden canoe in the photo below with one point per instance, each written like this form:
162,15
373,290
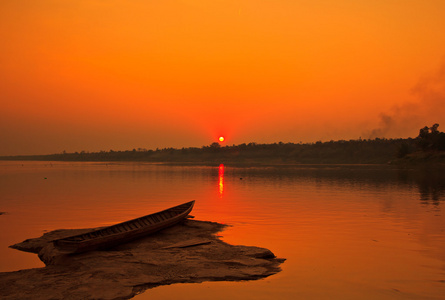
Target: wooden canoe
124,232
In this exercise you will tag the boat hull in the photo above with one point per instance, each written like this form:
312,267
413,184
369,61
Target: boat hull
124,232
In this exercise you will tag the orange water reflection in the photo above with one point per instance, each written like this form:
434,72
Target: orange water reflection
221,180
345,235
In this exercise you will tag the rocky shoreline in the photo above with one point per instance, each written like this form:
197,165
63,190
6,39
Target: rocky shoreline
186,253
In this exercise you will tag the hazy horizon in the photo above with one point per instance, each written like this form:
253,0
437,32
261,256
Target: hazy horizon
222,144
93,75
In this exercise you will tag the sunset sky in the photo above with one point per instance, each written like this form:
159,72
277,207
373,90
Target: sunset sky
121,74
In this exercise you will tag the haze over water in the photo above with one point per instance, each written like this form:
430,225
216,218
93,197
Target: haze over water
347,232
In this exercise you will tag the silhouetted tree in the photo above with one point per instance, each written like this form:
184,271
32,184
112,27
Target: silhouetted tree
404,149
431,138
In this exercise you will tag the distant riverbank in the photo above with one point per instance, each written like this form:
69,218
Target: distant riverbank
427,149
377,151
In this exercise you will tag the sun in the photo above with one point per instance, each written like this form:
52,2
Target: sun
221,139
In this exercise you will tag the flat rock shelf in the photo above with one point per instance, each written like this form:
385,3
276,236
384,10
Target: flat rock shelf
189,252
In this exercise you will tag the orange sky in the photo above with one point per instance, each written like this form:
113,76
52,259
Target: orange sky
121,74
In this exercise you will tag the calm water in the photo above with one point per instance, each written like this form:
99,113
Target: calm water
347,232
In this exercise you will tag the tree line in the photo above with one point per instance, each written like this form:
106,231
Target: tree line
361,151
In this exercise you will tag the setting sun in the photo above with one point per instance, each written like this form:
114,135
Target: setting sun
335,115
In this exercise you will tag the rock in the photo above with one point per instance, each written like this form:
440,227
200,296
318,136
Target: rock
189,243
188,252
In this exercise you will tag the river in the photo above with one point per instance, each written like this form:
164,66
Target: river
347,232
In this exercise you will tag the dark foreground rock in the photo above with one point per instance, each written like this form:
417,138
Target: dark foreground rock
189,252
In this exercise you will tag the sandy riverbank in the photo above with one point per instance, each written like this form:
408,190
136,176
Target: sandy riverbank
189,252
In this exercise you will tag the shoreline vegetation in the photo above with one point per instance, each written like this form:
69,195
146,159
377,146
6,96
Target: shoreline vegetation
426,149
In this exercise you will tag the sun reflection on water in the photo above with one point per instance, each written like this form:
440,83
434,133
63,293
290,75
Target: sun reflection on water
221,180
